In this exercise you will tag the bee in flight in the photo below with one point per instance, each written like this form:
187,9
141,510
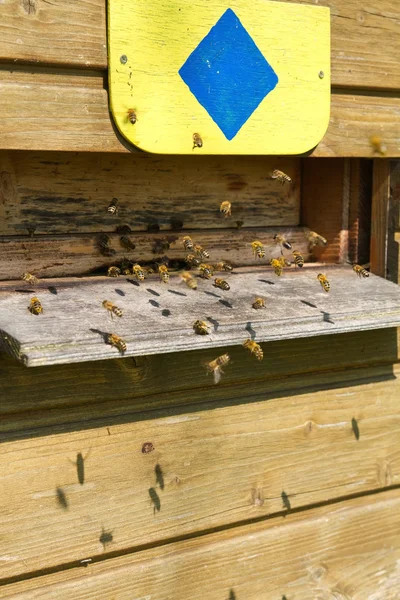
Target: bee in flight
116,341
192,260
126,242
113,207
188,243
206,271
200,328
361,272
298,258
201,252
315,239
225,209
189,280
377,145
258,303
29,278
113,310
258,249
131,116
223,266
113,272
215,366
35,306
103,244
138,272
163,272
280,176
280,240
254,349
197,141
284,262
222,284
324,282
276,265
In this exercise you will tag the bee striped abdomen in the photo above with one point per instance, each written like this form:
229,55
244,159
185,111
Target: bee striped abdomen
222,284
298,258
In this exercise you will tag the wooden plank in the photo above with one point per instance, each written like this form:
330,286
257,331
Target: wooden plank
65,193
296,304
360,211
64,255
47,396
349,550
379,216
393,251
77,119
227,457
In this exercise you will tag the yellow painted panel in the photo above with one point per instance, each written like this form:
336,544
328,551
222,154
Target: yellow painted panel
247,77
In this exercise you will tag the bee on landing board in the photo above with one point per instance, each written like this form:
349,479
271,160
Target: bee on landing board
113,272
29,278
113,310
113,207
163,272
35,306
197,141
280,240
226,209
280,176
201,252
315,239
298,258
222,284
131,116
258,249
254,349
361,272
326,286
215,366
258,303
189,280
192,260
276,265
188,243
223,266
117,342
206,271
201,328
138,272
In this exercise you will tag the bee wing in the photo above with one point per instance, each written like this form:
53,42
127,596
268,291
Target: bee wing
217,374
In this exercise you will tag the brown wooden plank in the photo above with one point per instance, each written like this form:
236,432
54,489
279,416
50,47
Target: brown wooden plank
349,550
64,193
393,253
379,216
74,326
239,458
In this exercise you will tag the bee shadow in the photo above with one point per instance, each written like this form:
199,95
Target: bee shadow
310,304
52,290
152,292
22,291
326,318
119,292
232,595
159,476
225,303
212,294
62,498
105,538
177,293
286,501
166,312
103,334
154,303
133,282
214,322
267,281
155,500
250,330
355,428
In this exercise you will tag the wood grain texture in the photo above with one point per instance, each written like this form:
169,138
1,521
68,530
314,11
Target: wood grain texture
69,255
159,318
350,550
379,216
393,253
208,468
70,193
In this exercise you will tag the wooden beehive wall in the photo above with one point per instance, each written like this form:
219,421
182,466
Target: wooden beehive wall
138,477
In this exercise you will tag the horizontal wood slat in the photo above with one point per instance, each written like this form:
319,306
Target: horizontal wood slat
350,550
365,37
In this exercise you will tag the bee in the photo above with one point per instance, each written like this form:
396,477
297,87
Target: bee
276,265
361,272
298,258
254,349
164,275
284,262
280,176
31,279
192,261
127,243
103,244
138,272
200,328
258,303
117,342
188,243
215,366
258,249
206,271
126,271
113,207
201,252
35,306
113,272
377,145
279,239
315,239
324,282
222,284
114,310
189,280
197,141
149,271
223,266
132,117
225,209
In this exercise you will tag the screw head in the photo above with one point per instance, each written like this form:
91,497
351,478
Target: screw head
321,74
123,59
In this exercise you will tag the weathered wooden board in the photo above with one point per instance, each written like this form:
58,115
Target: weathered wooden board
379,216
63,255
77,119
349,550
158,318
365,38
64,193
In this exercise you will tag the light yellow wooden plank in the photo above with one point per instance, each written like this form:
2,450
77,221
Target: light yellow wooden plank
349,550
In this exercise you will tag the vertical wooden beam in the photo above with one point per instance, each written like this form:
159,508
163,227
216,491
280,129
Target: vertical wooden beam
379,216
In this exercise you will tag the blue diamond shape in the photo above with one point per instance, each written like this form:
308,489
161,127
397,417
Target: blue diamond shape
228,75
